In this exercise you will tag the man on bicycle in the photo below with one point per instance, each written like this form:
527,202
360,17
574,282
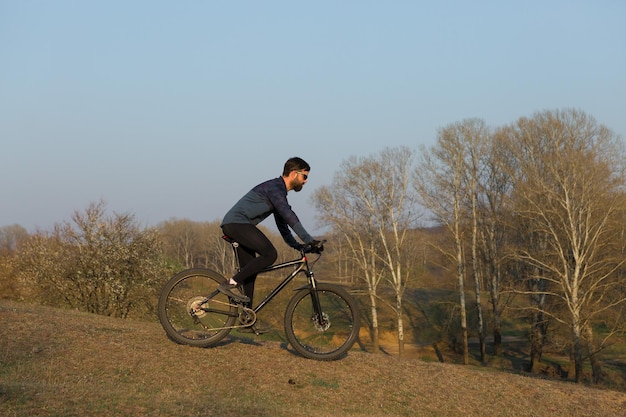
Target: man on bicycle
269,197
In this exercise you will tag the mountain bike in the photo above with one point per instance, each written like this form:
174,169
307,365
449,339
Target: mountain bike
321,321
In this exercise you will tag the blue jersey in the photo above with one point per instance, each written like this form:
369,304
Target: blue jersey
269,197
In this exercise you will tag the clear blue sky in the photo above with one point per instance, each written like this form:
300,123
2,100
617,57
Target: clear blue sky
176,108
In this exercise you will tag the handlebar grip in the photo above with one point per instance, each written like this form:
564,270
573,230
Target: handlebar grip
316,246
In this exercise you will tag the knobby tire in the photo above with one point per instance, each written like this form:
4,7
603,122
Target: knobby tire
331,340
187,316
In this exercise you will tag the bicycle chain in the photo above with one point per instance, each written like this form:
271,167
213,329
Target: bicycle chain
247,321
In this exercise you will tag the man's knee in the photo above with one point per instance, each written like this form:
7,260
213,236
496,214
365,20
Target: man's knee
270,255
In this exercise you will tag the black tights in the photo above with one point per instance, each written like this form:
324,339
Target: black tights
251,242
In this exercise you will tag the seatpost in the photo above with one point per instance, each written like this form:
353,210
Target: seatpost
235,245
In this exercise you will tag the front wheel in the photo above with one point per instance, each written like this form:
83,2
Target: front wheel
326,334
192,311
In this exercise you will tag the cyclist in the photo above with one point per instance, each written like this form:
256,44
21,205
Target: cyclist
239,223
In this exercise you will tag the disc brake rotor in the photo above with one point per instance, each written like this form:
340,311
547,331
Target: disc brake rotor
323,326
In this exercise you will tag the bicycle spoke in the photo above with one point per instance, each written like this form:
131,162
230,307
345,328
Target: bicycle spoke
330,337
189,315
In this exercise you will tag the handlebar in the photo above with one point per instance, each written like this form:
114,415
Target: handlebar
316,246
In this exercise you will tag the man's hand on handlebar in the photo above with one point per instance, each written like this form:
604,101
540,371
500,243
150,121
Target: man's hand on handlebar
315,246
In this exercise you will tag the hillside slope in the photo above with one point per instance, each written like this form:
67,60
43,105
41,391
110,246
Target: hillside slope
56,362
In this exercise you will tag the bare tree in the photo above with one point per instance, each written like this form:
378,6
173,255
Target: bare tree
211,250
372,204
474,137
181,239
341,208
569,188
495,228
441,182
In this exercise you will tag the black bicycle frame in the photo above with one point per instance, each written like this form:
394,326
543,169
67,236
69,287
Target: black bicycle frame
302,266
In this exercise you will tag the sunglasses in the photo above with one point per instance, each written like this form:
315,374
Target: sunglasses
305,176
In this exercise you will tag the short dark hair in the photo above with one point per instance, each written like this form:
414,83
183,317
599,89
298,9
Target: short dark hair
295,164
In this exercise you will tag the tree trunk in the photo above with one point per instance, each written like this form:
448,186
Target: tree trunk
594,356
400,327
464,333
571,371
578,352
538,331
539,325
497,320
497,337
476,273
536,343
375,331
494,291
481,326
461,287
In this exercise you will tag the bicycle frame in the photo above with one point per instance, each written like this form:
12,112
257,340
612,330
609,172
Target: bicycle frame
301,264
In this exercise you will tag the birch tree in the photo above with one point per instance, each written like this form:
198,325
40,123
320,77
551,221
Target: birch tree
341,209
474,137
371,201
494,229
569,189
439,181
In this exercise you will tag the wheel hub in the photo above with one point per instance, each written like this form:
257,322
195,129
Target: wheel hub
321,327
195,306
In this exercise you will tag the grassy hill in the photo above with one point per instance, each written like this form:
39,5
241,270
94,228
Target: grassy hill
65,363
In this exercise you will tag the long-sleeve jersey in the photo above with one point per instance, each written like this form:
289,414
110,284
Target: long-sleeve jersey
269,197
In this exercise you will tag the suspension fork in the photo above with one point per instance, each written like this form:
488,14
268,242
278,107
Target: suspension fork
315,299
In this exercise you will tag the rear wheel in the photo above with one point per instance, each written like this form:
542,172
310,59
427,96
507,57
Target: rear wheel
325,336
192,311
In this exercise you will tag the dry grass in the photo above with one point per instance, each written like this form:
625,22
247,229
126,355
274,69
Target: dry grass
64,363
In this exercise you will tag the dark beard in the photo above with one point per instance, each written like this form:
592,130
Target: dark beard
297,187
